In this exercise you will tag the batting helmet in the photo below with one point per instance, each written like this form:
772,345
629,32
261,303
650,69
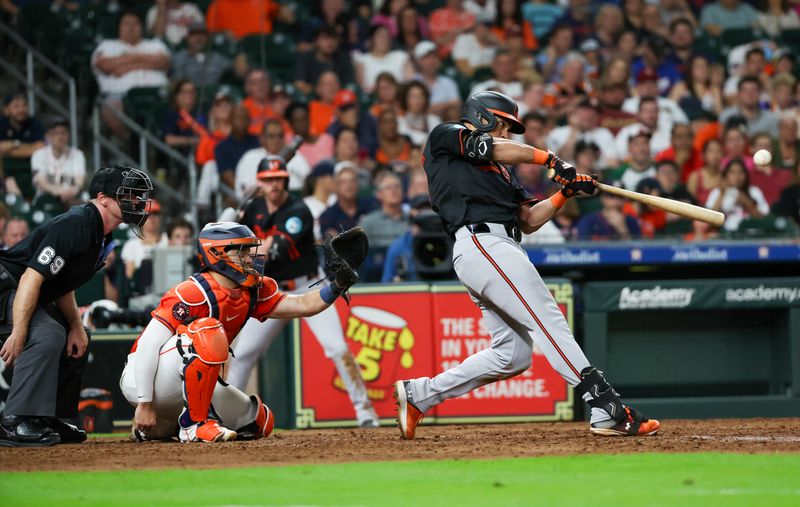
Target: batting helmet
229,249
483,108
272,166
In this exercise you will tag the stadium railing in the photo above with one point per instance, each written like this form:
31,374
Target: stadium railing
34,57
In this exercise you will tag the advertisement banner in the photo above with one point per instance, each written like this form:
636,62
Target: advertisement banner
388,331
538,394
693,294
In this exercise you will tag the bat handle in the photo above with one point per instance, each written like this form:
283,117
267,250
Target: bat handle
551,173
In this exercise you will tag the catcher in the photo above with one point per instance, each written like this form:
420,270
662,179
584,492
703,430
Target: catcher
172,372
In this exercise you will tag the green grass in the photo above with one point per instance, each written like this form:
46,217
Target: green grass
596,480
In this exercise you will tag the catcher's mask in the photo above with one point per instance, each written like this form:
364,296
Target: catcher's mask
229,249
130,188
483,108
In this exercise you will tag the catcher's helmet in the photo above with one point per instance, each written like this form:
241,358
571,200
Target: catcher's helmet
272,166
229,249
482,109
130,188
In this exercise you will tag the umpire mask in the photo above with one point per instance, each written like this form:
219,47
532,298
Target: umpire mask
130,188
133,196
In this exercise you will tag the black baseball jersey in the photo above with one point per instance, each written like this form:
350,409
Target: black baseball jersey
293,253
467,191
67,250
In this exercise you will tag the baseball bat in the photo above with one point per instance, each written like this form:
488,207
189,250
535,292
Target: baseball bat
679,208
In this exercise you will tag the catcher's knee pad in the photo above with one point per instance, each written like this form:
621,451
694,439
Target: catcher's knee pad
207,350
603,395
262,426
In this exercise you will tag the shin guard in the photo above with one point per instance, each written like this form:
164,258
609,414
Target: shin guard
199,380
603,396
206,349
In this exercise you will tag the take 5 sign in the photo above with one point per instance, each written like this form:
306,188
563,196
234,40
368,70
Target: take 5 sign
388,332
537,394
409,331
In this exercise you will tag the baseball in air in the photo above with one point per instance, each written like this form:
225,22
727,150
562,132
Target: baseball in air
762,157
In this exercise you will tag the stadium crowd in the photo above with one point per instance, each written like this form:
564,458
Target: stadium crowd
668,97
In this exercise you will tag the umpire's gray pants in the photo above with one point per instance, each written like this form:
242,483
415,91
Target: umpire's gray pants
35,384
518,312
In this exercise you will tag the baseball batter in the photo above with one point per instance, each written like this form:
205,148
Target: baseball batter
286,226
173,369
484,208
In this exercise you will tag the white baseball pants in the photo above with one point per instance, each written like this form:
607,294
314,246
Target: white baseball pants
234,407
518,311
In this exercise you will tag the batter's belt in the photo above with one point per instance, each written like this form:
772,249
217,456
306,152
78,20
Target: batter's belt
509,230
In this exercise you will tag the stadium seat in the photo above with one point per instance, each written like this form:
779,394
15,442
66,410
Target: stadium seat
221,43
674,229
43,27
146,106
709,47
205,95
769,225
275,52
790,38
20,169
733,37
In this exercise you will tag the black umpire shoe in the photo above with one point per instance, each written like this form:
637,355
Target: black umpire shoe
69,433
21,431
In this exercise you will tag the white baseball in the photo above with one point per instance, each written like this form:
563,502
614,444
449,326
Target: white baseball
762,157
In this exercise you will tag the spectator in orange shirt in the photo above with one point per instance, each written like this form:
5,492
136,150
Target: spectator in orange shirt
246,17
447,23
650,219
219,127
259,100
509,21
322,109
682,151
392,147
562,95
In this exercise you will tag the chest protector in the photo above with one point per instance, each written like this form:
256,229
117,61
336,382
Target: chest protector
225,306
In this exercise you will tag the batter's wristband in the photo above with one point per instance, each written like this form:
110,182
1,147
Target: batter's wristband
540,157
329,293
558,200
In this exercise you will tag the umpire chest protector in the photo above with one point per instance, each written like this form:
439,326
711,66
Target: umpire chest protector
466,186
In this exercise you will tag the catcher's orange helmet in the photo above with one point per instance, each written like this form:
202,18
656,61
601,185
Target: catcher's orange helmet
229,249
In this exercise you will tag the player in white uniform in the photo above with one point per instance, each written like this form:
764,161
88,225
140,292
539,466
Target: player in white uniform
485,209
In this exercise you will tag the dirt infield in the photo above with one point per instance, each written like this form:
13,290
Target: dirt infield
433,442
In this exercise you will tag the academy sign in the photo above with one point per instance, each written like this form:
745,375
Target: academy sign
657,297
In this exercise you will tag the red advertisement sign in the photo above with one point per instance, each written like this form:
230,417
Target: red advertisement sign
388,332
402,332
539,393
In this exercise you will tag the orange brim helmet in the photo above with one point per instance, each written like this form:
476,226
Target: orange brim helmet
229,248
483,109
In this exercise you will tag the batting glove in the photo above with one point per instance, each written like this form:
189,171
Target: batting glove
583,186
563,172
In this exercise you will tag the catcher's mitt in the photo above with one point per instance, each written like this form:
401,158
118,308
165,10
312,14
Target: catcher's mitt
344,254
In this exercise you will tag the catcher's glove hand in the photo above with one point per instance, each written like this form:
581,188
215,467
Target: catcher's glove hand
559,171
344,254
582,186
